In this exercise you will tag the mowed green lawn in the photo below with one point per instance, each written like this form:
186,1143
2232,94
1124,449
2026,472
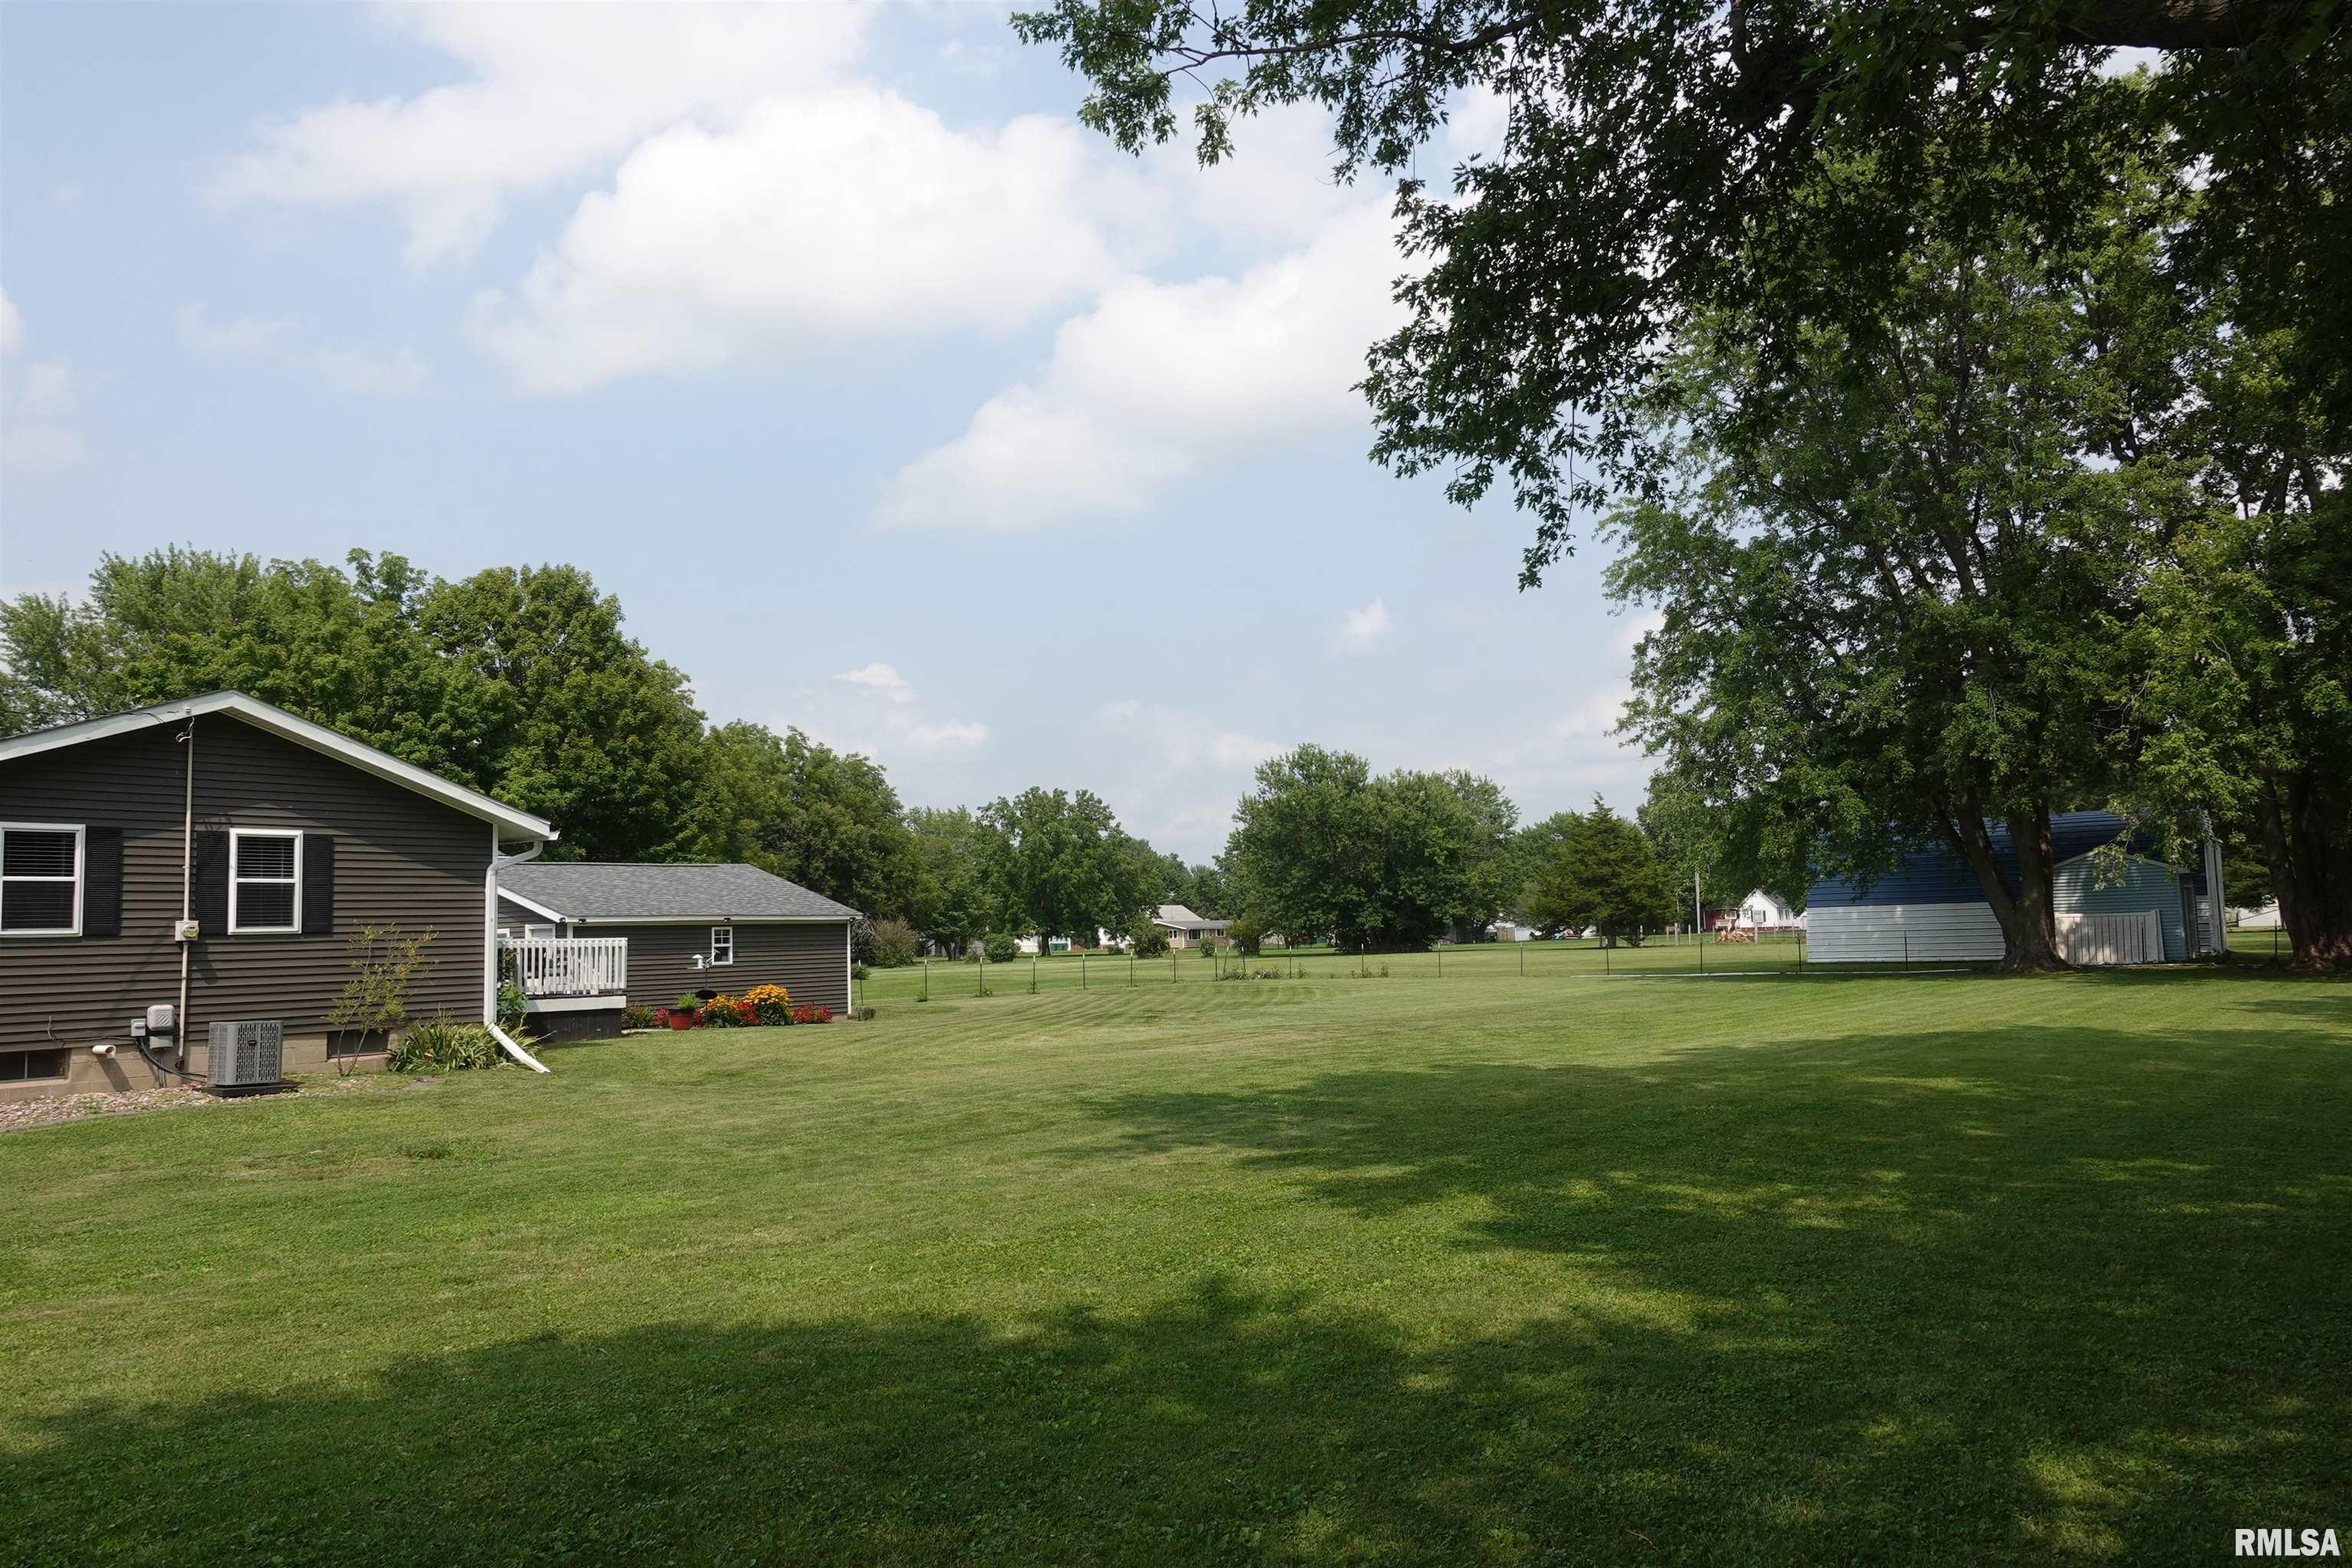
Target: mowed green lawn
1771,1269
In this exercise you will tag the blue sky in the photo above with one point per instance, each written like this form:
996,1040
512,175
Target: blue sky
891,402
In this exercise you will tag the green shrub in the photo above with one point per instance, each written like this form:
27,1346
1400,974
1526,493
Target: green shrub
1247,934
892,946
444,1045
1148,939
510,1007
860,972
637,1017
1000,948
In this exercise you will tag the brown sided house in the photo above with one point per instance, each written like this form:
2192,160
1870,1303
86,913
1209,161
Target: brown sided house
587,937
213,856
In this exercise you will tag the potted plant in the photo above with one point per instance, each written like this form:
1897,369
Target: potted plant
680,1014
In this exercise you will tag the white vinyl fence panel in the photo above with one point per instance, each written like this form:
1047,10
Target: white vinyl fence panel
2093,939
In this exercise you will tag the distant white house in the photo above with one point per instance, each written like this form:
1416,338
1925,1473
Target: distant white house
2264,918
1184,928
1763,911
1512,930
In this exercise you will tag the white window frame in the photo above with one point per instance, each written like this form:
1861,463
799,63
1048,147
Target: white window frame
715,932
236,838
81,864
541,933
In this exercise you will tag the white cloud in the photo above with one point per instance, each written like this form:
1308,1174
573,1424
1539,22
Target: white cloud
243,337
1174,773
46,388
1160,380
946,737
825,216
1362,629
553,92
27,445
876,710
881,677
32,396
362,373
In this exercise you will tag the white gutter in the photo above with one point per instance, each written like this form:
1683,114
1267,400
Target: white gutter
490,947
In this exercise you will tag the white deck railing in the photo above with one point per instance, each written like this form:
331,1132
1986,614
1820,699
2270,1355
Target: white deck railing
570,965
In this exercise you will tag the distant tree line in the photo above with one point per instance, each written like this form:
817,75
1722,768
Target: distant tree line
521,683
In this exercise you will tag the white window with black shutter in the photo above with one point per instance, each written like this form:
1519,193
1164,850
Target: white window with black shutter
265,883
41,866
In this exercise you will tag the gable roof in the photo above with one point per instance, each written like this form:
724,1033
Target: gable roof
1177,915
290,727
1938,876
624,892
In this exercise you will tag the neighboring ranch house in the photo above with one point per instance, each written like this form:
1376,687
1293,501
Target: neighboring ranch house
214,856
589,937
1930,908
1184,928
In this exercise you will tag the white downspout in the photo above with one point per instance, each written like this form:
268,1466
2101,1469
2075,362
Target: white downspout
498,862
187,889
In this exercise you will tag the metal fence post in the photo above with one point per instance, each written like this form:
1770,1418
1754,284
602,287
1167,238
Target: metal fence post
1604,955
927,979
1082,970
1032,973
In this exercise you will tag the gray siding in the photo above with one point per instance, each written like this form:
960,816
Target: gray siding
399,859
808,959
2075,889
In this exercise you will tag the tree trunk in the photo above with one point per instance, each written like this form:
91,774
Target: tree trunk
2028,914
2306,827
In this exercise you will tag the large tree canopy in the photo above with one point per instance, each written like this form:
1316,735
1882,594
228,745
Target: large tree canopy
1060,865
1321,845
1893,577
813,815
519,683
1666,158
1596,869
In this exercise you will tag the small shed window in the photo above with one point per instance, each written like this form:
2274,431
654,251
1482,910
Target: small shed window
265,883
722,944
539,934
40,880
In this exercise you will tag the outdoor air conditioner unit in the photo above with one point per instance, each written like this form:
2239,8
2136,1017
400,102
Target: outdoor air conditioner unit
246,1055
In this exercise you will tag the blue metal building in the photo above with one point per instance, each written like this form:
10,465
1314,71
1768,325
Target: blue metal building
1930,909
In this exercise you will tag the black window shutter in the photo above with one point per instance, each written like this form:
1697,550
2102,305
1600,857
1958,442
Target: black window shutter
101,881
209,888
317,883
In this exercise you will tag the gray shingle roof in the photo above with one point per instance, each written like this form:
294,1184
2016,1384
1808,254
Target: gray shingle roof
610,891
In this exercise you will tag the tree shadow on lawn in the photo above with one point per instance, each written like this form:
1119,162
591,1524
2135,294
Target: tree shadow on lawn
2067,1290
1882,1300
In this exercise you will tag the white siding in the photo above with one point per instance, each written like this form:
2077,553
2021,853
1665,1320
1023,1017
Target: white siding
1888,934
